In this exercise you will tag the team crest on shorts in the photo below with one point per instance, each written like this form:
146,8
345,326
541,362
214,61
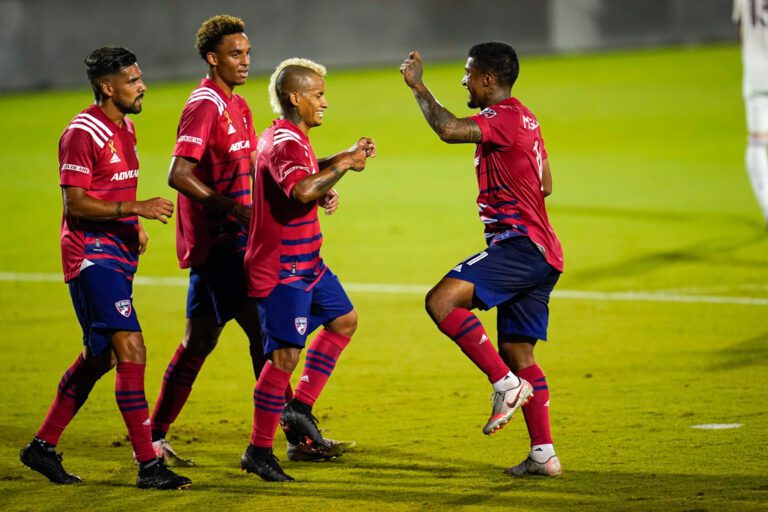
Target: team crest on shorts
124,307
301,324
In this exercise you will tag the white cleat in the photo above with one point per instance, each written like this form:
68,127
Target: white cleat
505,404
164,451
550,467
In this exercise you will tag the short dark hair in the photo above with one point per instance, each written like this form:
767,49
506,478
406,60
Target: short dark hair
213,29
497,58
106,61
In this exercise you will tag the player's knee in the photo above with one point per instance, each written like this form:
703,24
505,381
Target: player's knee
285,359
437,304
346,325
200,347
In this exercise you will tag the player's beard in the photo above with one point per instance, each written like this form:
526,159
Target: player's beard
131,108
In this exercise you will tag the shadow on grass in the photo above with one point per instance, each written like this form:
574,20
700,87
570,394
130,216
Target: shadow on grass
751,352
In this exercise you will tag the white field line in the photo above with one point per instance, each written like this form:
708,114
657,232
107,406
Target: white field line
421,289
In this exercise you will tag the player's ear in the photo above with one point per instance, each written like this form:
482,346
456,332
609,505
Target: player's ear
294,98
107,89
488,79
211,59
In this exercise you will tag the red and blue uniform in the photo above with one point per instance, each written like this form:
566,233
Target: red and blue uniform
284,268
217,132
524,258
100,257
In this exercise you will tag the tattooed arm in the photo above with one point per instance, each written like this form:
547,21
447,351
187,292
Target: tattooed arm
446,125
332,169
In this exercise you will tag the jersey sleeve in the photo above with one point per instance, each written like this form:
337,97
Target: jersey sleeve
195,127
290,164
496,126
76,159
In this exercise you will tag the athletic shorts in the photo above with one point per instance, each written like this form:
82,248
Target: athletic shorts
289,314
757,112
217,287
103,301
514,277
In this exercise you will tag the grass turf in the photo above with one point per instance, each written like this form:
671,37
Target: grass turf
650,194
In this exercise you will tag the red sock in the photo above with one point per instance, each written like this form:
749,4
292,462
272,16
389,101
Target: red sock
257,361
268,403
466,330
177,385
288,392
129,391
74,388
537,410
322,354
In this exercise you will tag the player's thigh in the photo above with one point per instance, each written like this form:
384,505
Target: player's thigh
217,287
284,317
331,306
103,302
526,315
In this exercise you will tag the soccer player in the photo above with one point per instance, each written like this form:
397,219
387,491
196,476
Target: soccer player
211,169
295,291
752,16
523,260
101,240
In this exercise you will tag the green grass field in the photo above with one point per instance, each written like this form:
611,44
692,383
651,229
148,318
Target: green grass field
650,196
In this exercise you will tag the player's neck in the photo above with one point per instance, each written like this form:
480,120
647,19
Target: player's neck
496,96
294,117
226,88
112,112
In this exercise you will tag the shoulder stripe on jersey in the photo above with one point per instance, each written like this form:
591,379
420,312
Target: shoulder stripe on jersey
278,140
93,120
96,138
205,93
284,131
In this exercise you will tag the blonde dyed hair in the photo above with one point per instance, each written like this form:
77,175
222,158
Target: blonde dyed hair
274,97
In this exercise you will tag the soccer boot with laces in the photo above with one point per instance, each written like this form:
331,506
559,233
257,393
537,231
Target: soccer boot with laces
303,452
156,475
163,450
505,404
297,418
42,457
550,467
262,462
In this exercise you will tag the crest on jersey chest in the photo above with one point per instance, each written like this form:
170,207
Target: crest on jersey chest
124,307
301,324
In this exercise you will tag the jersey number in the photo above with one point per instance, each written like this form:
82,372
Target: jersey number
758,10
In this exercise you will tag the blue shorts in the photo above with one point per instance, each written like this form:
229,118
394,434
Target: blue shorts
217,287
103,301
289,314
514,277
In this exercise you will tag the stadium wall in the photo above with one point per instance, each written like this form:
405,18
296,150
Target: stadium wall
43,42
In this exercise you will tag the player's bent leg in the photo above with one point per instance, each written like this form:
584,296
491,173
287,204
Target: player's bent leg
517,351
200,338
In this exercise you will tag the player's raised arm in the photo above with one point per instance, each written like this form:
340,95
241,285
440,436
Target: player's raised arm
447,126
332,169
77,203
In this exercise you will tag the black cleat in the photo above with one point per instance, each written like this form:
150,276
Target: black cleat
297,418
155,475
263,463
42,457
313,453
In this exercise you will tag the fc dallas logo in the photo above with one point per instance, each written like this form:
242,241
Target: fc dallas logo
124,307
301,324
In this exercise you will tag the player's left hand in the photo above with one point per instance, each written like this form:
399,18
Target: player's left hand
412,69
143,239
360,152
330,202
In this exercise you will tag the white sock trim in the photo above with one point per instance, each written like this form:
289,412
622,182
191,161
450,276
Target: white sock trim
509,381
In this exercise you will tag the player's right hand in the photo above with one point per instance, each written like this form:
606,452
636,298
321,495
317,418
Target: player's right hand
360,152
412,69
158,208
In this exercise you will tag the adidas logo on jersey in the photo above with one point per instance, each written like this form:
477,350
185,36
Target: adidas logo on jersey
115,159
231,130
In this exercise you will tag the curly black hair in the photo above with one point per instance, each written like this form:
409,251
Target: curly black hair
212,30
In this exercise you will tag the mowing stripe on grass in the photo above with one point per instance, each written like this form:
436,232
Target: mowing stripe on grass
420,289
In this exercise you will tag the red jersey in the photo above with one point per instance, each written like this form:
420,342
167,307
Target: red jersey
508,165
218,133
284,240
99,156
